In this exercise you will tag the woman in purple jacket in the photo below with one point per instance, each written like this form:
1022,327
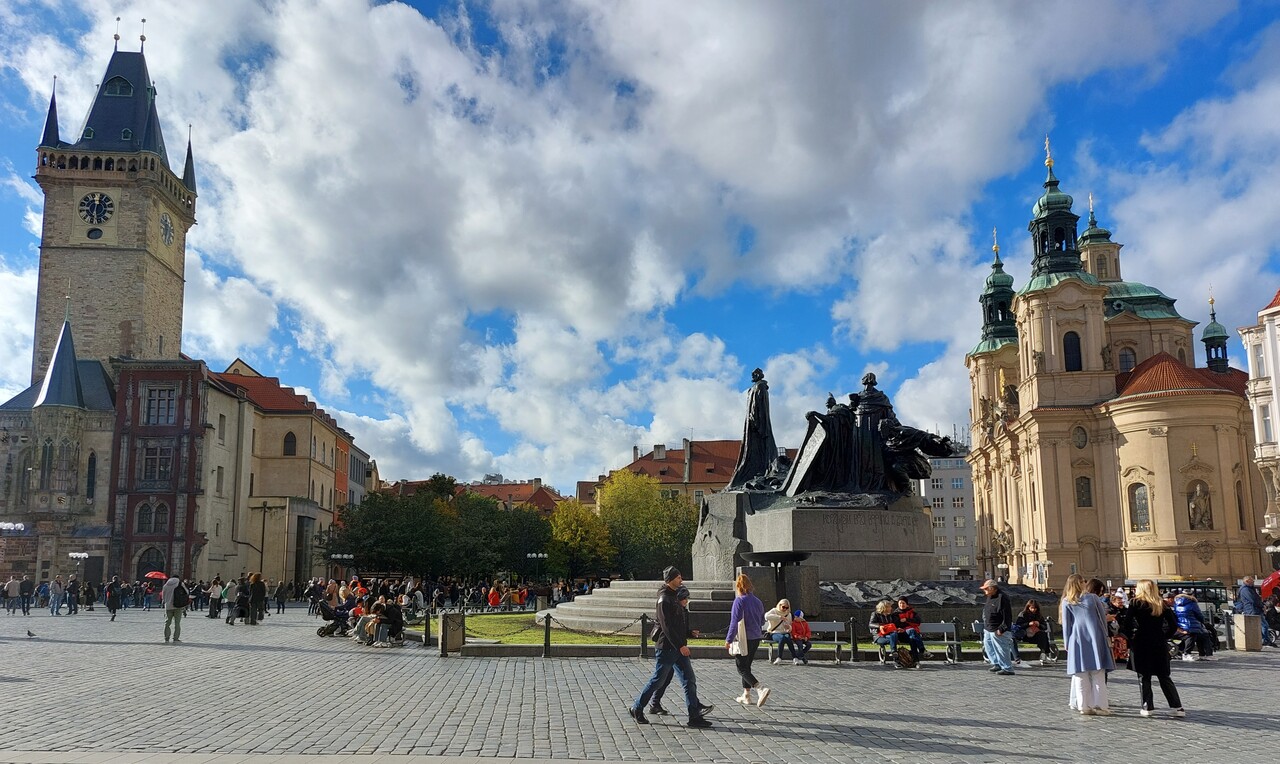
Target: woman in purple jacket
748,610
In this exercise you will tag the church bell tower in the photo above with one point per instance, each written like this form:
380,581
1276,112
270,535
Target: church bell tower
116,218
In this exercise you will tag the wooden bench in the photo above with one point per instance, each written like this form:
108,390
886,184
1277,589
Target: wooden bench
838,631
942,633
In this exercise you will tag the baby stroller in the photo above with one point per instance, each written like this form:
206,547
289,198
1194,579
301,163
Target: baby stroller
335,621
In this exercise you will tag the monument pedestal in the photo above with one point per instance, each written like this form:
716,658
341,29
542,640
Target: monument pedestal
851,544
797,583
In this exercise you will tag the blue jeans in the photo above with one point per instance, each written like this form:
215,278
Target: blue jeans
917,642
669,659
999,649
55,604
890,639
73,603
784,640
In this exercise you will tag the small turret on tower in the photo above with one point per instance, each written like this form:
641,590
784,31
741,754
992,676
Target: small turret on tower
1215,338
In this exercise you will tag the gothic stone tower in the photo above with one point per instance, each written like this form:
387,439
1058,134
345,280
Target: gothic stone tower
116,218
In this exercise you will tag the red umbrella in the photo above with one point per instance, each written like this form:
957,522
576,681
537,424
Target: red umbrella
155,574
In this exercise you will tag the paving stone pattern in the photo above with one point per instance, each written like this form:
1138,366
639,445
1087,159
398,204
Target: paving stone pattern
88,685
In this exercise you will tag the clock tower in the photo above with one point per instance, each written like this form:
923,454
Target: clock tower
116,217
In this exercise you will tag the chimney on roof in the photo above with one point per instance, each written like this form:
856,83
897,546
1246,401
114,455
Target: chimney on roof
688,460
635,453
537,483
659,451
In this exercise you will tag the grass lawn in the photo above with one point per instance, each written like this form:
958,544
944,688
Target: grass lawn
520,629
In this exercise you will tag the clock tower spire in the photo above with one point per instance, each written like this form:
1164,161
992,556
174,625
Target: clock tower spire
116,216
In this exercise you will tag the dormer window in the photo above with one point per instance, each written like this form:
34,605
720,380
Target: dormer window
118,86
126,134
88,133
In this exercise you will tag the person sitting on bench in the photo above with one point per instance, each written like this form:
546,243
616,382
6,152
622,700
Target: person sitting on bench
801,637
884,631
777,627
1030,627
908,623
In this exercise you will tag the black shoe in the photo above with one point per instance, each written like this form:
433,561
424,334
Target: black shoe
658,710
638,715
1004,672
698,722
704,709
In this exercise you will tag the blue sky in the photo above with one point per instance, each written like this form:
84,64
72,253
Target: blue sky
521,236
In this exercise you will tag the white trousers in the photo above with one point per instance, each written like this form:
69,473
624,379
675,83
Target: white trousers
1088,690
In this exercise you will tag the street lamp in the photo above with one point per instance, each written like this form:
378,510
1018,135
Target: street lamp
19,527
537,558
1003,575
342,560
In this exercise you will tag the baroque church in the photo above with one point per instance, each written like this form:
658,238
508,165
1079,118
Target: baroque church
125,456
1099,446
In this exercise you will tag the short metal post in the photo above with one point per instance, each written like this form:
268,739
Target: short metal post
958,647
546,635
644,636
853,642
426,631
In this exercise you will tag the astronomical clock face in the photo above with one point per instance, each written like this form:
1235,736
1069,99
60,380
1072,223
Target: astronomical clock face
96,207
166,229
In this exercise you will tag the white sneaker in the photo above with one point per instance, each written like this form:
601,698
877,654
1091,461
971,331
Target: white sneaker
1189,658
1102,712
795,661
776,661
1144,711
764,695
1179,713
744,698
1086,712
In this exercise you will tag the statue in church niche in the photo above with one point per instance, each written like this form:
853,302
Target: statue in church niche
1009,402
758,456
1199,510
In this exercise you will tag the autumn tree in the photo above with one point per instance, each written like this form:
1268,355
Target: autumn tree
579,539
648,530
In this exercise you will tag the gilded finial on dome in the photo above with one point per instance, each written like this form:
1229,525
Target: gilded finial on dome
1090,202
995,242
1048,153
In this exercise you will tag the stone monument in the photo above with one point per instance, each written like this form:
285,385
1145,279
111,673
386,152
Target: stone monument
846,510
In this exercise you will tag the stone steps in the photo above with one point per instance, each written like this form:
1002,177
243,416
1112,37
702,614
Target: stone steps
614,608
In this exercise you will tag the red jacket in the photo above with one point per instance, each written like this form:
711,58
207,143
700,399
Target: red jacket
906,619
800,630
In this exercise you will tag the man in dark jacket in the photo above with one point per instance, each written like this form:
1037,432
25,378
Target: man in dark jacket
1249,602
671,648
997,618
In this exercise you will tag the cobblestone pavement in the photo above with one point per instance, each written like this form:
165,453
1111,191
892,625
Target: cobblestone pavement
89,690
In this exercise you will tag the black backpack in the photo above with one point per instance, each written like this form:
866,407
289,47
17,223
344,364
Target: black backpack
905,658
181,597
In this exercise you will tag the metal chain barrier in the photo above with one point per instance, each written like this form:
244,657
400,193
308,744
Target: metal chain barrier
580,632
535,626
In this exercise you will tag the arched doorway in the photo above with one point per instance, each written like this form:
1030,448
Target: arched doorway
150,560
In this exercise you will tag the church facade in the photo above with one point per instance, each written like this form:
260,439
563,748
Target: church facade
1099,446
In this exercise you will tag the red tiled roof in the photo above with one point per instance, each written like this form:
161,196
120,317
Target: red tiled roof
1163,375
269,395
532,493
712,462
1275,301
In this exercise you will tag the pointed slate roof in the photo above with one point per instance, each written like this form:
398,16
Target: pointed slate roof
50,137
126,101
61,386
189,171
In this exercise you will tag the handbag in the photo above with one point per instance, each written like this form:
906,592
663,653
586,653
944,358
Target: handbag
739,644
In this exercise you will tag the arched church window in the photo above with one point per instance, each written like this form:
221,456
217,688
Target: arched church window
119,86
1128,359
1071,352
1084,492
91,476
1104,268
1139,509
1240,504
46,464
110,165
64,468
144,519
1044,241
162,518
290,444
1059,239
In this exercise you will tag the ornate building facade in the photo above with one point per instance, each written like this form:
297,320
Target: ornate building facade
1099,447
1262,342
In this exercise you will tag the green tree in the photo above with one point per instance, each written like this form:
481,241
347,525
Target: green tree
647,530
579,538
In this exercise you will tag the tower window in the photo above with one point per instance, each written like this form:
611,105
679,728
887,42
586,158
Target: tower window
126,134
1071,351
1104,268
161,405
1084,492
118,86
290,444
91,476
1128,359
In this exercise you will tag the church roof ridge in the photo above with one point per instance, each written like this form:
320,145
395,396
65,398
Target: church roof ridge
1162,375
61,386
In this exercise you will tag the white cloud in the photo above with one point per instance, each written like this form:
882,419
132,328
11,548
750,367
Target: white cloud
389,183
17,316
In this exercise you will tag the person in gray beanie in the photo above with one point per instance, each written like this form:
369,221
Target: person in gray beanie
671,648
